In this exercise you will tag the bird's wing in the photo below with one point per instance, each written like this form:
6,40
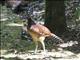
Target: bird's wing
40,29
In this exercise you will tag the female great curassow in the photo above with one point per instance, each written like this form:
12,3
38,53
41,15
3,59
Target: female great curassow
38,32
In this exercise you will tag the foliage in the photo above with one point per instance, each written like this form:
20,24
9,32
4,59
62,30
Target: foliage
72,12
10,36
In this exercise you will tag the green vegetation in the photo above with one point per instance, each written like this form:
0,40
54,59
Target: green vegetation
10,36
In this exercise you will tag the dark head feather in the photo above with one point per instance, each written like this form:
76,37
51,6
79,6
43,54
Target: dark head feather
30,22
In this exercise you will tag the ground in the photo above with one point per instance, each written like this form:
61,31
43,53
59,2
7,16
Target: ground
61,54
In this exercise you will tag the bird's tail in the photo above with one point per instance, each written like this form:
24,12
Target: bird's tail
55,36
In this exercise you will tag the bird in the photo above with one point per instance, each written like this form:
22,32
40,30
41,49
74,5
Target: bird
38,33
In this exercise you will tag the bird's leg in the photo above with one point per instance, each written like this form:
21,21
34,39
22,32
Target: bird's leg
41,39
42,42
43,45
36,43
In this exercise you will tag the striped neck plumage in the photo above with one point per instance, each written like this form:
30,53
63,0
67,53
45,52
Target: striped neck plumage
30,22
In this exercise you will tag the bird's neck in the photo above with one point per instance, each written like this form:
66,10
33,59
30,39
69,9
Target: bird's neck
30,22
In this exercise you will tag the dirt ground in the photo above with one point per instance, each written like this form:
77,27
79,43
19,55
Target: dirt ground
53,55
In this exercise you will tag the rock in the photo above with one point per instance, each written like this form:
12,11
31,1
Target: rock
3,52
11,55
